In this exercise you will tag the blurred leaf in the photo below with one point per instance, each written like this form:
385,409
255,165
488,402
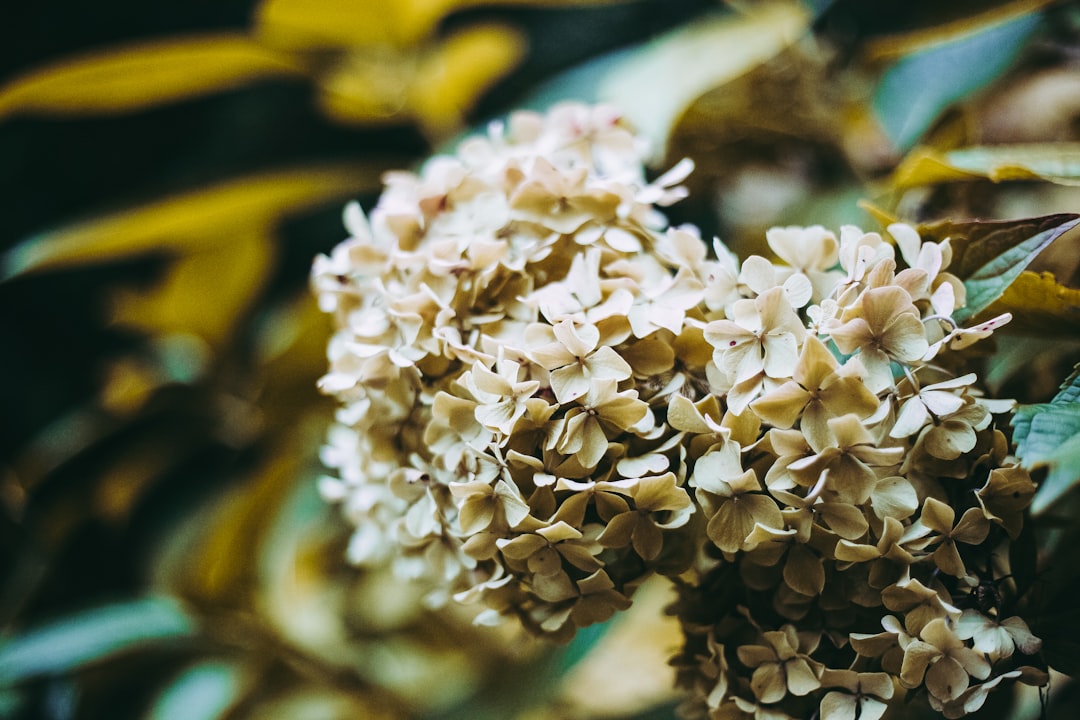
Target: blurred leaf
914,92
654,83
346,23
1054,162
1060,633
624,667
658,83
203,293
75,640
214,559
1040,305
436,86
465,65
202,692
120,79
195,220
990,281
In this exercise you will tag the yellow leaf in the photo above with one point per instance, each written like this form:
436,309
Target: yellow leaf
351,23
205,293
464,66
434,86
1057,163
883,217
1040,305
138,76
190,221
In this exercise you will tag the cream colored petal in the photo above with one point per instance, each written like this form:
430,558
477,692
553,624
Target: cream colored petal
917,658
911,418
894,497
905,338
848,395
947,679
578,340
684,416
758,274
768,683
941,402
950,440
849,431
730,526
649,357
815,364
725,334
851,335
845,519
658,493
593,445
783,406
553,588
551,355
754,655
781,356
606,364
798,290
569,383
623,411
948,559
848,551
871,709
1018,630
801,679
500,416
839,706
972,528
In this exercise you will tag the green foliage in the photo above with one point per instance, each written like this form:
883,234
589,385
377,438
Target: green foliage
74,641
1048,435
915,91
202,692
990,281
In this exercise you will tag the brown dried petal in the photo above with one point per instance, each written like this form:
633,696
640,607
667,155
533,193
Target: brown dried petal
735,519
804,572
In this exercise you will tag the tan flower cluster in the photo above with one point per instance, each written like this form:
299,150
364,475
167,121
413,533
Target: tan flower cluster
547,395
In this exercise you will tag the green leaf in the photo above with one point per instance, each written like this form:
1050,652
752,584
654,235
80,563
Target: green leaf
1048,435
1070,389
202,692
990,281
92,635
977,242
915,91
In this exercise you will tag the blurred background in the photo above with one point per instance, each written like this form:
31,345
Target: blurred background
168,171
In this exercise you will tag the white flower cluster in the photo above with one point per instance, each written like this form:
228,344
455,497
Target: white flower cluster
548,395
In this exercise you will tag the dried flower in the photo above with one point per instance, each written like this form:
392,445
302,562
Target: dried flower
547,395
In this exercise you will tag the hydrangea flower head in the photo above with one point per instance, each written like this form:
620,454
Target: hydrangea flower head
547,395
